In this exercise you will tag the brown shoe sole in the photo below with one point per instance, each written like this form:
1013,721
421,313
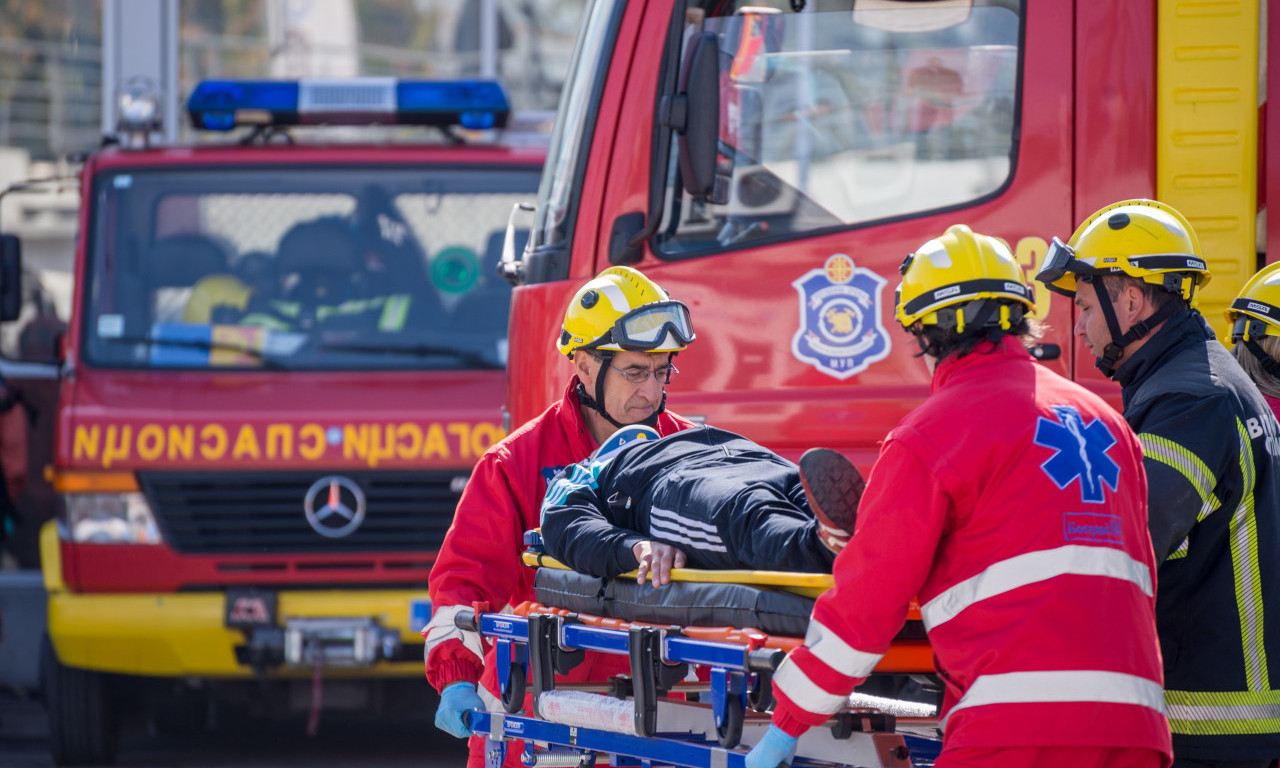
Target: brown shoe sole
834,487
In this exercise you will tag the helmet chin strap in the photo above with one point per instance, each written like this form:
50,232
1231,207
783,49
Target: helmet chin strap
597,403
1114,350
1268,363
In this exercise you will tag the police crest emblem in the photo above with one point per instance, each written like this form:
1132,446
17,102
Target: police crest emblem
840,329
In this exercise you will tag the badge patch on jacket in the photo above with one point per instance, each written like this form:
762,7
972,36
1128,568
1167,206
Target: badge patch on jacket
1093,528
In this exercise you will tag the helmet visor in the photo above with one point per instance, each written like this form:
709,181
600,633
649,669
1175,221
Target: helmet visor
1060,267
646,327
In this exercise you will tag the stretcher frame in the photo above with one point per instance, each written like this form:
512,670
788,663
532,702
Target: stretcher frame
532,648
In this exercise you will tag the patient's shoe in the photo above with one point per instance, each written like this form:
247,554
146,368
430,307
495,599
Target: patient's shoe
624,436
834,488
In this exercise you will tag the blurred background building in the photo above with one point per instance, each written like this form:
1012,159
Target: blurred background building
52,82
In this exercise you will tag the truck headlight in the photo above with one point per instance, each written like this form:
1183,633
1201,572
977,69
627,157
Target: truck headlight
111,518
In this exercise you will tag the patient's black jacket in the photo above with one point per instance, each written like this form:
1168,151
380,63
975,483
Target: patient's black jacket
727,502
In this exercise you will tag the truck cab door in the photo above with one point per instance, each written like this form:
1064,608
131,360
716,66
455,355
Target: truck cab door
845,140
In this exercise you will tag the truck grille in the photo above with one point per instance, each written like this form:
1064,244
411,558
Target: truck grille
263,513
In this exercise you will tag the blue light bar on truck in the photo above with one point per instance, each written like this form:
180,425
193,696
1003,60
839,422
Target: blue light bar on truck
221,105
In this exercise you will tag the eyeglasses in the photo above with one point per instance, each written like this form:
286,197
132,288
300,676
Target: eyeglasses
640,375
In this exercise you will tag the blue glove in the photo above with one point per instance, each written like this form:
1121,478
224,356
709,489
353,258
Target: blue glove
455,700
776,748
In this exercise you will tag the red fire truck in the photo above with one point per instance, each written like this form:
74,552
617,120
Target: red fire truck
772,163
286,353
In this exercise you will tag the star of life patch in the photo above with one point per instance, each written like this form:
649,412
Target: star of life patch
1080,453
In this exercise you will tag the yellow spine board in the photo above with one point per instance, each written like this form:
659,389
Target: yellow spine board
807,584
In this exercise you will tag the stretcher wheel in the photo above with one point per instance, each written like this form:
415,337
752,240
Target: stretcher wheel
760,695
729,731
513,696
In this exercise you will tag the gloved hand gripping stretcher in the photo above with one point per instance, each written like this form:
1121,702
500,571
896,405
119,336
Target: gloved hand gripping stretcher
737,624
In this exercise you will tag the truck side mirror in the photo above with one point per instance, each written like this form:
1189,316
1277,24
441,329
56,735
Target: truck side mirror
10,277
694,113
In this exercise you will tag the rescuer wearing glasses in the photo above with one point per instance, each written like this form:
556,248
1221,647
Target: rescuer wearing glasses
621,332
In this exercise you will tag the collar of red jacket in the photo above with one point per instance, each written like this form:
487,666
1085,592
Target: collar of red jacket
575,423
985,353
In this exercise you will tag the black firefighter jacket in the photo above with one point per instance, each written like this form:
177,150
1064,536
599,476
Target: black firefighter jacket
1212,454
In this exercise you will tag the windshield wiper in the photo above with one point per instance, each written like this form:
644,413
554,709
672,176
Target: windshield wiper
155,341
474,359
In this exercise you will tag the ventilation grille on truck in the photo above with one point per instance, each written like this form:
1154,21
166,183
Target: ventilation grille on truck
263,513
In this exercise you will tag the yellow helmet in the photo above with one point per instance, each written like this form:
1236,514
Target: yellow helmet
1256,311
1145,239
214,291
621,309
956,268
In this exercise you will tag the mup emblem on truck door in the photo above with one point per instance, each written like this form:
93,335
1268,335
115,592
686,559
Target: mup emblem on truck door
335,506
840,330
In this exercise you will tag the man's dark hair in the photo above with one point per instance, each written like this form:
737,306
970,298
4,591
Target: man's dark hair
941,340
1156,294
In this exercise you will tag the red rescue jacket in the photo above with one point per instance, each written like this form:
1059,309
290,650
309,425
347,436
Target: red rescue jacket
1013,504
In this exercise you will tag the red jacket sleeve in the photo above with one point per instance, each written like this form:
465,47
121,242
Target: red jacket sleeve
902,517
478,562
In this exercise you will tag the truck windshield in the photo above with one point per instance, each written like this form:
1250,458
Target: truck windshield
847,113
320,268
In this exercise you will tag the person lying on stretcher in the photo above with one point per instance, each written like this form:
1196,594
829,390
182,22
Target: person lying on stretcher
700,498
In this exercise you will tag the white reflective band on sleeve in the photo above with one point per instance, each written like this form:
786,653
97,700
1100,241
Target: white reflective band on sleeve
442,628
491,702
805,693
1034,567
836,653
1086,685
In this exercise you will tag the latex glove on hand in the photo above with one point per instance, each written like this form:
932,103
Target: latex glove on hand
455,700
776,748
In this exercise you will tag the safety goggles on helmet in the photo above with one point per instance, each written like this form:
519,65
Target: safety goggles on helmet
1061,267
645,328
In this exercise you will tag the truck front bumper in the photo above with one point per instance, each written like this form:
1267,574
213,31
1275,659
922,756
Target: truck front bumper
185,635
355,633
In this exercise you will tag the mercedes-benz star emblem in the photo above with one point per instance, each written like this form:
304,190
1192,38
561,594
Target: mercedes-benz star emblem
335,506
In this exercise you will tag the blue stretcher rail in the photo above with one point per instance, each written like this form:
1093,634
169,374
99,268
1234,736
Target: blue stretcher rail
645,726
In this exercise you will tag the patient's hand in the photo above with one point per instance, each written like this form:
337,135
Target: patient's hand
657,559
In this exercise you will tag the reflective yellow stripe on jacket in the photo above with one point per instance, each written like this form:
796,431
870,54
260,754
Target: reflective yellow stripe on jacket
1221,713
1189,465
